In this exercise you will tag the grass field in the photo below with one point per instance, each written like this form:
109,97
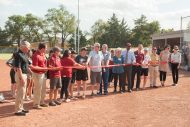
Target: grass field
5,56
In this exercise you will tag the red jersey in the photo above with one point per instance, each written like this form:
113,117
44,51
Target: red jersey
39,59
139,57
67,61
54,61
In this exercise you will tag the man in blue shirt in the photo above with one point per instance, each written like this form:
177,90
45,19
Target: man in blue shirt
129,59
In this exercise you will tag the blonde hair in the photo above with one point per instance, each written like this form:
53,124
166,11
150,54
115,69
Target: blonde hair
25,44
97,44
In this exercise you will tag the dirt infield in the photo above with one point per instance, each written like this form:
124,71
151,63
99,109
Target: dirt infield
161,107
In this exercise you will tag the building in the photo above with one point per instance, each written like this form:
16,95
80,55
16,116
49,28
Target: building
180,38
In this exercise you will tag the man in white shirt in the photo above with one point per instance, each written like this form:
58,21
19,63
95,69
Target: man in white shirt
96,60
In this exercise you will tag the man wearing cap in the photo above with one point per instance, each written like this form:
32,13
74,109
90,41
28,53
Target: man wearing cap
96,60
153,68
21,67
39,68
129,59
55,76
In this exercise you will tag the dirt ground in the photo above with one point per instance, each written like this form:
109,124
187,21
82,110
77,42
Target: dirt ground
161,107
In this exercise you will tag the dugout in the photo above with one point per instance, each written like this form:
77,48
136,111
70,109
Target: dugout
180,38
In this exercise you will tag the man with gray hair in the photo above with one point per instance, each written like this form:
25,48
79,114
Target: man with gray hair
21,69
105,71
95,58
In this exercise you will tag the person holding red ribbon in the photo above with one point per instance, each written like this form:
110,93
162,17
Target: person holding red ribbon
137,67
118,71
95,58
66,74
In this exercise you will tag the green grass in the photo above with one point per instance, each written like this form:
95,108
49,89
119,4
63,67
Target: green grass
5,56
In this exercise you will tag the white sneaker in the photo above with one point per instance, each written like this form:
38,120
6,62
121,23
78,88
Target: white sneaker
83,96
27,99
67,100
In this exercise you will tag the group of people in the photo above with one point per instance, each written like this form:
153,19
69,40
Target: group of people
65,70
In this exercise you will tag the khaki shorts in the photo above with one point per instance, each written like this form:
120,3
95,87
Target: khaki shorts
96,77
55,83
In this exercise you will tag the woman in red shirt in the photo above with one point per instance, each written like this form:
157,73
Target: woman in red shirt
66,74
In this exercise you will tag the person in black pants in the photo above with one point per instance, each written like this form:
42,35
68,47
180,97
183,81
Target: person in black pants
136,69
175,64
64,89
66,75
118,71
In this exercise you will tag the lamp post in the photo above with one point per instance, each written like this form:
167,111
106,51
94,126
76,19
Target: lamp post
181,29
78,28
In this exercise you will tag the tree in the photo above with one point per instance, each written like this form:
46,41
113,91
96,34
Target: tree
33,26
114,33
166,30
4,38
61,21
98,29
15,27
143,30
83,40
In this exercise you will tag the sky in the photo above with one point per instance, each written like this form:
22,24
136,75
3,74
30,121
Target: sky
167,12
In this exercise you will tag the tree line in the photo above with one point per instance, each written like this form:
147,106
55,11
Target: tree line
60,25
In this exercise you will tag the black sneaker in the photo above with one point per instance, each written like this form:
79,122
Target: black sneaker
52,103
121,91
130,91
155,87
115,91
99,93
20,114
57,102
106,93
25,111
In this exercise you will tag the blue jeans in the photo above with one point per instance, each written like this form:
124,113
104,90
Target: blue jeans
105,77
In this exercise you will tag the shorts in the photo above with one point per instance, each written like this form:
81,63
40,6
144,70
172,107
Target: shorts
55,83
29,76
82,75
96,77
144,71
12,75
73,79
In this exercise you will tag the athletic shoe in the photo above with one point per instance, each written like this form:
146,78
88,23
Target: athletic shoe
130,91
92,94
20,114
78,94
57,102
37,107
52,103
99,93
43,105
67,100
25,111
83,96
27,99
